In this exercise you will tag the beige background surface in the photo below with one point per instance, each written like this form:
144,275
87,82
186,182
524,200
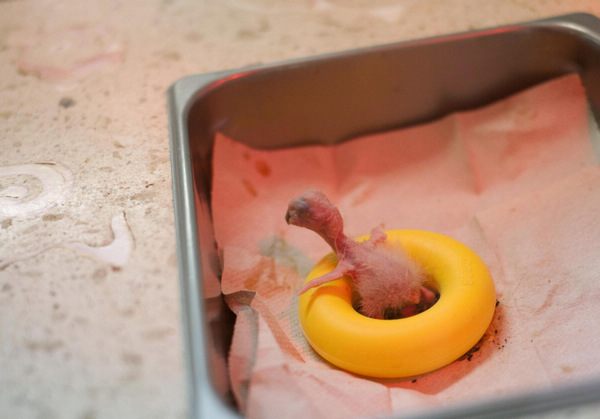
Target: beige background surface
89,303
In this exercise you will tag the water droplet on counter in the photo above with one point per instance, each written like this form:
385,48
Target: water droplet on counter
117,252
70,54
56,181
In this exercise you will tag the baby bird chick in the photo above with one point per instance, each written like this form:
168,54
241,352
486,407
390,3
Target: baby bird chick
389,284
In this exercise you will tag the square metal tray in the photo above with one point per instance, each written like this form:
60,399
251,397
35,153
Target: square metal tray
332,98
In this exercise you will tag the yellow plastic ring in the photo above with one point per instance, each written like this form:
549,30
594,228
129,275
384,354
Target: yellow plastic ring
410,346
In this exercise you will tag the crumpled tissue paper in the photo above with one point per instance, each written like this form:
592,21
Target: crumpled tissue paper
517,181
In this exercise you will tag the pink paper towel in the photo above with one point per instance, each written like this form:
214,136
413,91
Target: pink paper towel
517,181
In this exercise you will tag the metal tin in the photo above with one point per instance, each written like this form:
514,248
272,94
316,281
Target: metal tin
332,98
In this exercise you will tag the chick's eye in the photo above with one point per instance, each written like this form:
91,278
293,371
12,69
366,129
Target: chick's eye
302,208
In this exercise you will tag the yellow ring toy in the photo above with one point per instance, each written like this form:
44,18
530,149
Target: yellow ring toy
413,345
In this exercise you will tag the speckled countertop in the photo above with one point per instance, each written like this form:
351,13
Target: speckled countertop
89,301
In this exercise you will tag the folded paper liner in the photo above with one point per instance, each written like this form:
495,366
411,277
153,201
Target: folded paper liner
517,181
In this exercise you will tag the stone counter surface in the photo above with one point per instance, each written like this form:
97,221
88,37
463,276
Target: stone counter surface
89,300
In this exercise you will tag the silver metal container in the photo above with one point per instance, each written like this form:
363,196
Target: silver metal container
329,99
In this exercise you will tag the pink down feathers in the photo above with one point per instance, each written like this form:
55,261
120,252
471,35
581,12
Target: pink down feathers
387,282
